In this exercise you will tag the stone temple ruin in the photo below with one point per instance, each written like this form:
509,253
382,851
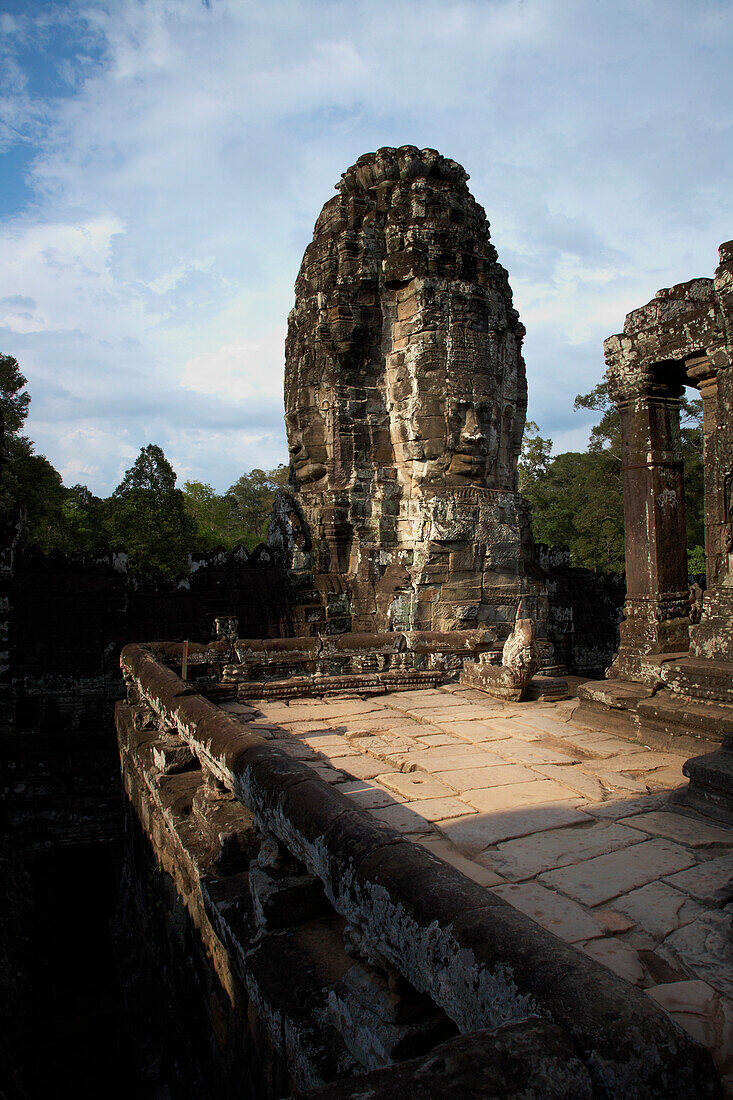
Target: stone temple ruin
405,400
374,847
672,678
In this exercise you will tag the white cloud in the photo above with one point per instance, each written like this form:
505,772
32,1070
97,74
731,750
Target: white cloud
239,371
178,178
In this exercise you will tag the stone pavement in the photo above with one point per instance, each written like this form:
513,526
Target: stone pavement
568,824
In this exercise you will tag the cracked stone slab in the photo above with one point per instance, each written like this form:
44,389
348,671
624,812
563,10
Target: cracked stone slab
451,758
361,767
415,785
705,947
618,957
683,829
658,908
475,731
538,792
471,779
598,746
700,1010
402,819
473,835
439,809
619,808
604,877
576,777
559,915
616,781
529,856
446,851
532,753
710,882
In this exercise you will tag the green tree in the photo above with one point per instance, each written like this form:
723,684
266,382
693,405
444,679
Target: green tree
85,521
606,437
254,494
215,516
577,499
148,518
30,488
534,458
14,398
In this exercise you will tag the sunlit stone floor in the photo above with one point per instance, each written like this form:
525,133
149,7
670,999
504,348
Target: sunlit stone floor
568,824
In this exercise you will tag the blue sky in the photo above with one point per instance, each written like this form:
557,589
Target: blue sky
164,161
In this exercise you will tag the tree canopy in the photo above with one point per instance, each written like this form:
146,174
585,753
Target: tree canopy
577,497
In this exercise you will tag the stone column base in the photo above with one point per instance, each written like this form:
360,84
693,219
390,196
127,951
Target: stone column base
712,637
651,627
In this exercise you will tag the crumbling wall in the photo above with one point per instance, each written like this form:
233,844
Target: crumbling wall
69,618
585,611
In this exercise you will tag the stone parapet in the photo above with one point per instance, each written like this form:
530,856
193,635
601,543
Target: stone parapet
476,959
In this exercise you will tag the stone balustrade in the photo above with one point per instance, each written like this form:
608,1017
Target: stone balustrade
422,934
282,667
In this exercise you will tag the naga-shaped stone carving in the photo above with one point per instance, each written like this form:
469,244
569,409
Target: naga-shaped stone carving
520,661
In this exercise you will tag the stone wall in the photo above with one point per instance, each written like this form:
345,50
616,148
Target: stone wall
584,612
69,618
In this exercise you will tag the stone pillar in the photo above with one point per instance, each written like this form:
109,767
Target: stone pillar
703,375
656,612
712,637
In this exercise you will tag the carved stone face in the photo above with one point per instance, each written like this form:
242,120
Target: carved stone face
451,428
308,441
471,443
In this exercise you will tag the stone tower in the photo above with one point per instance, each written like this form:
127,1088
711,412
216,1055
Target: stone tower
405,401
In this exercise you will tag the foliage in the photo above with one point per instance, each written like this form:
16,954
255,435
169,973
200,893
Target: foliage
577,498
84,521
30,488
254,494
238,517
577,502
14,399
148,518
535,456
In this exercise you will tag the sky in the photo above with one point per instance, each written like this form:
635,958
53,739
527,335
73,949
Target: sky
163,162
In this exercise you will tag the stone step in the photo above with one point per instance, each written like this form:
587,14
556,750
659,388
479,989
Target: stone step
681,715
700,679
711,785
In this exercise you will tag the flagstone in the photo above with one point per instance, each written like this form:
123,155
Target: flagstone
446,851
417,784
657,908
529,856
533,753
710,882
618,957
439,809
361,767
604,877
559,915
471,779
537,792
574,776
704,949
401,818
685,830
474,835
474,731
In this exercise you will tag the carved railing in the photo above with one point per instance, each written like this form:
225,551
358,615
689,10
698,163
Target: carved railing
328,664
479,960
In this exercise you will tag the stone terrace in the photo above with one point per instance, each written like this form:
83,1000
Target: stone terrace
568,824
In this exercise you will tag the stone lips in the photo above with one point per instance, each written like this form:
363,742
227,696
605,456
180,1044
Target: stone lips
404,387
